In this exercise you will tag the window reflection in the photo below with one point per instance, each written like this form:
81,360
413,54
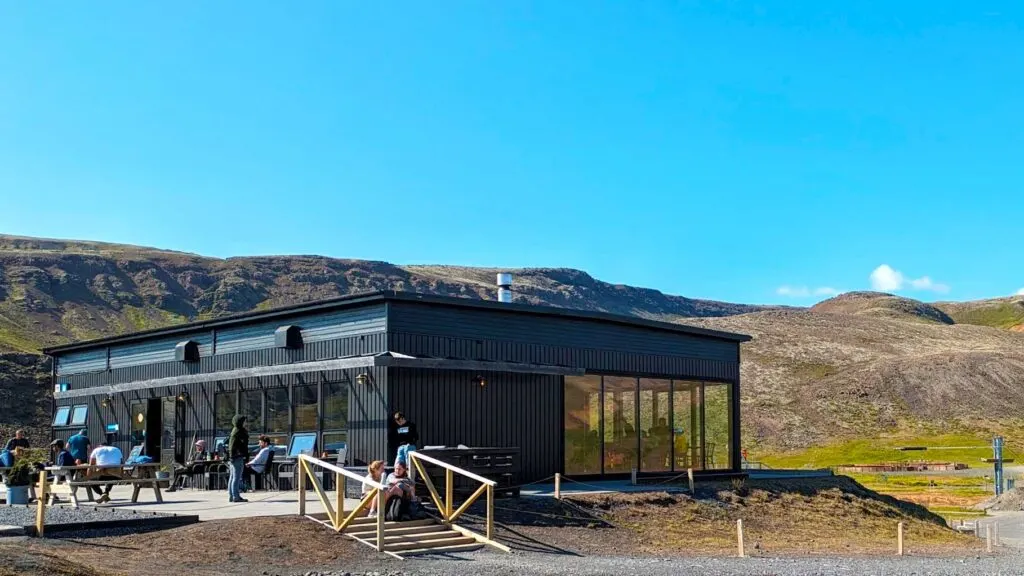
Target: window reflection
582,425
620,435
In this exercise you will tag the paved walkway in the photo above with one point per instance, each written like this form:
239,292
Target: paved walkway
214,505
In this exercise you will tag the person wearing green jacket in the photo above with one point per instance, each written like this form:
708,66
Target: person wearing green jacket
238,452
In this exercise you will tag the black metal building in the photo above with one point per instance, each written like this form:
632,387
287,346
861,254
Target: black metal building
577,392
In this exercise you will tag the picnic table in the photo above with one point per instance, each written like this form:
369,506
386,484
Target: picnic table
138,476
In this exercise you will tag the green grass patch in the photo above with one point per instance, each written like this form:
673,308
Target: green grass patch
1002,315
883,450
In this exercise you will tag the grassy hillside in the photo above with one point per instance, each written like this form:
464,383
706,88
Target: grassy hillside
859,366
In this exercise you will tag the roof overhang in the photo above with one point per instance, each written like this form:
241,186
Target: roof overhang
389,359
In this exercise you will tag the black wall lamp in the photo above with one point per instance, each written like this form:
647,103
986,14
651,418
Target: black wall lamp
183,396
480,381
363,379
106,402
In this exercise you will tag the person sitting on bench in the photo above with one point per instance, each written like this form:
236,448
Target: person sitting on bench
104,458
258,465
401,493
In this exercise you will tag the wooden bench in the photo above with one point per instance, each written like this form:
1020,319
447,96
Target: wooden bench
138,476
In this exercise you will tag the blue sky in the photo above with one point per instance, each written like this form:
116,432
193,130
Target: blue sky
771,151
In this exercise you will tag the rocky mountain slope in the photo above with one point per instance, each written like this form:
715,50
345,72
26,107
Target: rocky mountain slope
858,364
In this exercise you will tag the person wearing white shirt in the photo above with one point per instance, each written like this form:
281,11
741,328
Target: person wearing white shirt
259,462
107,459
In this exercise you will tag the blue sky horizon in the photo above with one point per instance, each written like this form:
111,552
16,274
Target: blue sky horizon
759,152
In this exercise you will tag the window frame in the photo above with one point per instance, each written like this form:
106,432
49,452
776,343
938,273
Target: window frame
85,416
64,421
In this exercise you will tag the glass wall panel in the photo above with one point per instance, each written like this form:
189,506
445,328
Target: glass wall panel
686,425
655,433
582,425
277,415
335,406
224,408
620,434
250,405
717,425
304,398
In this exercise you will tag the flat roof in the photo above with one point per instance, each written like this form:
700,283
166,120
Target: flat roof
353,300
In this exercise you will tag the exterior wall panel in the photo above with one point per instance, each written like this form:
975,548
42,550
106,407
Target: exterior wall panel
86,361
512,410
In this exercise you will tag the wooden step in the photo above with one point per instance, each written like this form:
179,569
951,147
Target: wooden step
441,550
430,536
458,540
362,532
367,523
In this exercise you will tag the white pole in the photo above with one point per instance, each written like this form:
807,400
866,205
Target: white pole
739,536
558,486
899,539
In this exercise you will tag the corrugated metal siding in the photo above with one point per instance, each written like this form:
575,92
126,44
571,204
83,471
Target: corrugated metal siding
320,328
79,362
513,410
368,417
447,321
341,348
594,360
152,352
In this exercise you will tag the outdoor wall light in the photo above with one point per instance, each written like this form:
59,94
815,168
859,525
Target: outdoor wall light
106,402
363,379
480,381
183,396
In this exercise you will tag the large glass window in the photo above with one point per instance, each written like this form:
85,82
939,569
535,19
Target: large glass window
277,416
304,398
686,425
620,436
335,406
717,425
250,405
655,433
224,408
582,425
138,431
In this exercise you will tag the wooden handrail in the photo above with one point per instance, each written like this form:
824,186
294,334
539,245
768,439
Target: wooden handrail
447,466
342,471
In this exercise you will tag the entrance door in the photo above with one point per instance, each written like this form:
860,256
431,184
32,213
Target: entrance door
154,429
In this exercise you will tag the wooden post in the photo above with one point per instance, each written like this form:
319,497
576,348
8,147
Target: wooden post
41,508
380,520
988,537
689,476
300,477
558,486
739,537
899,539
995,533
449,493
490,512
339,499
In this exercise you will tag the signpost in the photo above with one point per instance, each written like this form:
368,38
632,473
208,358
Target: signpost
996,460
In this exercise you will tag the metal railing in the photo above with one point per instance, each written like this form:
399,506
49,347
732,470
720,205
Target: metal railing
446,506
337,519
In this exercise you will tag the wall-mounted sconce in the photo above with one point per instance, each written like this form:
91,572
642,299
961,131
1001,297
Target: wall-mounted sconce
363,379
183,396
106,402
480,381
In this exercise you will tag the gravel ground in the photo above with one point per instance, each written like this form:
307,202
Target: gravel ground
494,564
26,515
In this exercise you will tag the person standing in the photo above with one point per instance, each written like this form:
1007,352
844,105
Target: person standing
406,436
238,452
19,441
79,446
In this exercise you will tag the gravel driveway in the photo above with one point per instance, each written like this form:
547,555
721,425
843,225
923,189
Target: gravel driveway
494,564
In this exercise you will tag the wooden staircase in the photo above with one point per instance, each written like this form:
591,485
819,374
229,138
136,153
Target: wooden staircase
412,538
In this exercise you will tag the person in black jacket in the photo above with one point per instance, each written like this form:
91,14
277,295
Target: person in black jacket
406,436
238,453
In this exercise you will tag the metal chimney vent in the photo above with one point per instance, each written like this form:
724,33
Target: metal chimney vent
504,287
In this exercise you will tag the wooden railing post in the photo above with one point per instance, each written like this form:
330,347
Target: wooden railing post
339,484
558,486
301,479
490,512
739,538
41,509
380,520
899,539
689,476
449,493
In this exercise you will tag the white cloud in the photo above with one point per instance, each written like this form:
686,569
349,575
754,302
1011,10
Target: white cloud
1020,292
885,278
805,292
